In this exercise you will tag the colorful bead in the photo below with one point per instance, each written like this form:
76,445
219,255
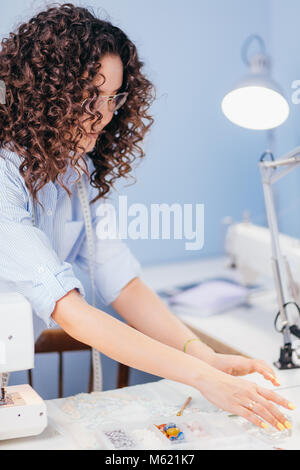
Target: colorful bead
173,432
169,425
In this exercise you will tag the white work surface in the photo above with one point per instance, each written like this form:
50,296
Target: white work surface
74,420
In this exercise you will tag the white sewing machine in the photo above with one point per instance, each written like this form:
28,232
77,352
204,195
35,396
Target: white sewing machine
22,411
249,247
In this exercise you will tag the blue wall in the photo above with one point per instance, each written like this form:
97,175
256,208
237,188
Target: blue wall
285,40
191,52
194,154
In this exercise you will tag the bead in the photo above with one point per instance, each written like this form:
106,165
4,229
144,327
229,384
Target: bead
173,432
169,425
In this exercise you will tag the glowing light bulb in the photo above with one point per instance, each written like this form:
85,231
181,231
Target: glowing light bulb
255,107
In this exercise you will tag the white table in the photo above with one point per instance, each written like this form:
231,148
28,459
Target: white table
74,420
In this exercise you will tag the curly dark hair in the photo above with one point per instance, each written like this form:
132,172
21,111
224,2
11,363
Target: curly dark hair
47,66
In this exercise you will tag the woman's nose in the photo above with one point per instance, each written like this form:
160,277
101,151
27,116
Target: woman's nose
106,113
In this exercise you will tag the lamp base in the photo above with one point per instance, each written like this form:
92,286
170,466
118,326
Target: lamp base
285,360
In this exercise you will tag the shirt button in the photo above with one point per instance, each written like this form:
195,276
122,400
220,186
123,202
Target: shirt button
49,212
40,269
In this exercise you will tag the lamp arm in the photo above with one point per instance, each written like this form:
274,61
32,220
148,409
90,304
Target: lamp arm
276,253
291,157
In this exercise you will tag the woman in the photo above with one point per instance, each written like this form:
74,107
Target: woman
76,103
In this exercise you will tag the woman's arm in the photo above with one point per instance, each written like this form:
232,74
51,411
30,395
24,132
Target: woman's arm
127,345
143,309
124,344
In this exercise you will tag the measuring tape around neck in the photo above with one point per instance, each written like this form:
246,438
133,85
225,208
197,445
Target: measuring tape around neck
84,201
85,206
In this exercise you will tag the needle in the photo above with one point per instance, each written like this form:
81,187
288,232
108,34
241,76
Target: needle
184,406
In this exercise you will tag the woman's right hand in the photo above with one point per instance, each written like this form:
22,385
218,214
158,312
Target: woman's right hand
244,398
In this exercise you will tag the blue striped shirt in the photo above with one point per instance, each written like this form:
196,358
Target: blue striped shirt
38,261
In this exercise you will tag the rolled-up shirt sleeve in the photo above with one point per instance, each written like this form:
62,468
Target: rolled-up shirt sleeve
28,263
114,263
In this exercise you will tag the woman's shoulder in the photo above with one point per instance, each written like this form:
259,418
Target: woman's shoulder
9,156
10,162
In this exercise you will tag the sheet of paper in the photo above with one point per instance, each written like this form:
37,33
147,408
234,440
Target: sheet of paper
210,297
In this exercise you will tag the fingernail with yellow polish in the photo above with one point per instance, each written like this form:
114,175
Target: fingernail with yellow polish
264,425
280,426
272,378
291,406
288,425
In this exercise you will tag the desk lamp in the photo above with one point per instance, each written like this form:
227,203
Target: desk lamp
257,103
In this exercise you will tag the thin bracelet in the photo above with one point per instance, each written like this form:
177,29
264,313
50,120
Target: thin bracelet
188,341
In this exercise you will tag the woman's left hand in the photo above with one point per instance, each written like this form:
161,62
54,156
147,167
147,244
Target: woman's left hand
239,365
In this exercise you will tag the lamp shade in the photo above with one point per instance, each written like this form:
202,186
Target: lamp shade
256,103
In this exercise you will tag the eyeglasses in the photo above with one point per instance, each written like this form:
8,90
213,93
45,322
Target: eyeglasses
114,102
